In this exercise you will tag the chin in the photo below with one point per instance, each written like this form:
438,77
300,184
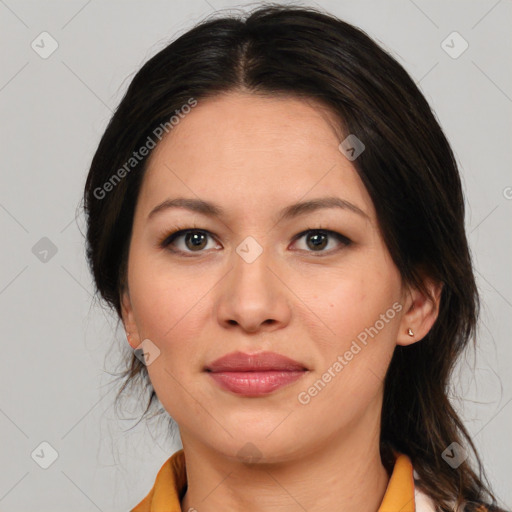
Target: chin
258,448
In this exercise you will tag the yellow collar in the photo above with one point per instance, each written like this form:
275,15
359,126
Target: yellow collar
171,482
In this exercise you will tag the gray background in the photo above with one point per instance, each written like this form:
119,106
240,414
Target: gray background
59,345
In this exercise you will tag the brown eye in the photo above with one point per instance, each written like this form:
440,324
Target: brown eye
318,239
187,241
197,240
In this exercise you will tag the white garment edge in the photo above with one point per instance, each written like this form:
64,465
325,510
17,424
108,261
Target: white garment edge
423,502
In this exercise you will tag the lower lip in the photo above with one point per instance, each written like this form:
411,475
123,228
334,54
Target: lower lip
255,383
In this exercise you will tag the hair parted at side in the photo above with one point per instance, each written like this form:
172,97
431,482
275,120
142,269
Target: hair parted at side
407,167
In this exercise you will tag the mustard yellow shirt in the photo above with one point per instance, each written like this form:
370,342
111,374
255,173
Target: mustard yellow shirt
171,483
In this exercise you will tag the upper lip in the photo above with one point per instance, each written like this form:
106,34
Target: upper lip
263,361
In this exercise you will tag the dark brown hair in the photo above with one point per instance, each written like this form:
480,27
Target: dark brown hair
407,167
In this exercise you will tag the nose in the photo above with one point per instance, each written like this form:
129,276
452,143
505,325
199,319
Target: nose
253,297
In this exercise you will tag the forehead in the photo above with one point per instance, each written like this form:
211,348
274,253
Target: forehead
255,152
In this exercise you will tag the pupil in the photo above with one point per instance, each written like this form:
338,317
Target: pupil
316,242
195,238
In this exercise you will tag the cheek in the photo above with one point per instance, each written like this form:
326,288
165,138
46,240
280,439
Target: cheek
348,301
165,298
170,309
360,312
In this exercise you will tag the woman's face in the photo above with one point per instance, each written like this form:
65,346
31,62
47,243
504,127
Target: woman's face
244,282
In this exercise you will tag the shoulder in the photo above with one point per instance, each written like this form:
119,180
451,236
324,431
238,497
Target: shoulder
424,503
481,507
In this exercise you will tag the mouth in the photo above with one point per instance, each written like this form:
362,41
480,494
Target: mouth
254,374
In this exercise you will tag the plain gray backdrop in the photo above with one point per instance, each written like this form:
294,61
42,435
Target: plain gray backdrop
57,93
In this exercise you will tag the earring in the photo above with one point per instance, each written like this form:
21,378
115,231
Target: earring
409,332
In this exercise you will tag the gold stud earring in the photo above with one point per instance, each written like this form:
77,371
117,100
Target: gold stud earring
409,332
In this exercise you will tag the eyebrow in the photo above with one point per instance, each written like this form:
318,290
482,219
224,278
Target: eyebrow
294,210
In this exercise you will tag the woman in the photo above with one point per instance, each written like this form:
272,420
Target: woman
277,218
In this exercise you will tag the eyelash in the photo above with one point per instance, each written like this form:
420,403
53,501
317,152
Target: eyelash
165,241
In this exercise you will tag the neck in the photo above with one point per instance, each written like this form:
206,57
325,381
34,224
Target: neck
346,474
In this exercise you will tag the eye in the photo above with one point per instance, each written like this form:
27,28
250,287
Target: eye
194,240
318,239
188,241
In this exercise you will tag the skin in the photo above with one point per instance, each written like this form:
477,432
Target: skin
254,155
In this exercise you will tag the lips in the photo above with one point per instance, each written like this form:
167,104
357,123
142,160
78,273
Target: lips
254,374
264,361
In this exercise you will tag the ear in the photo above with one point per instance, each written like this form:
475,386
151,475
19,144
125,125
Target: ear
132,333
420,312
